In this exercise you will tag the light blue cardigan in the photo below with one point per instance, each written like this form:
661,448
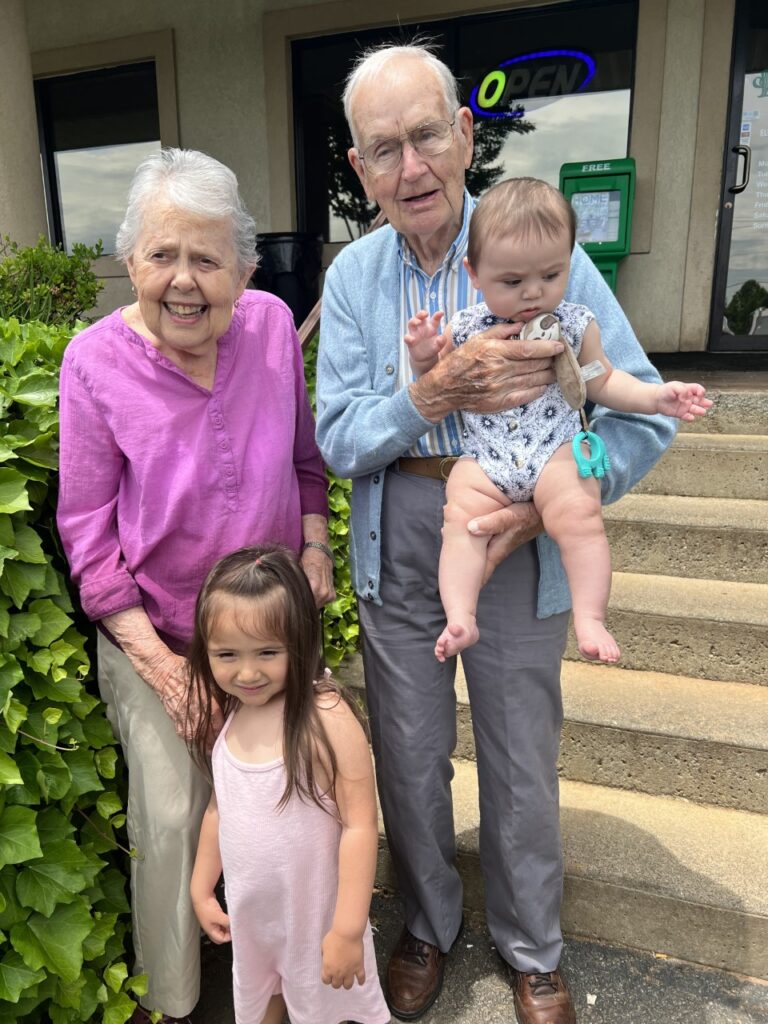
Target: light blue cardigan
364,423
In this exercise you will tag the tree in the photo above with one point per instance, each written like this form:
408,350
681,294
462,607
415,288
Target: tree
748,298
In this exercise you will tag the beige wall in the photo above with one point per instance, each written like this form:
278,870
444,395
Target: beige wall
234,101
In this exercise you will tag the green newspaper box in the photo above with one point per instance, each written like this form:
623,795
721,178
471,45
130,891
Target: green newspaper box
601,193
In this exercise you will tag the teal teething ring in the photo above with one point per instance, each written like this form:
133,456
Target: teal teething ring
598,463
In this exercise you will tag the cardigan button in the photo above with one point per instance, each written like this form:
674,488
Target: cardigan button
373,535
389,369
376,478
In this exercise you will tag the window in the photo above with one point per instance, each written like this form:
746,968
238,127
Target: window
95,128
548,87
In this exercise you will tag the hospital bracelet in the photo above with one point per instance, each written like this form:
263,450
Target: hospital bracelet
320,547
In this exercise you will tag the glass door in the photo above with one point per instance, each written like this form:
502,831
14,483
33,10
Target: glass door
740,296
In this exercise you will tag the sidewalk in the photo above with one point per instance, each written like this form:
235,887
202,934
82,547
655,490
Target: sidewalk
610,985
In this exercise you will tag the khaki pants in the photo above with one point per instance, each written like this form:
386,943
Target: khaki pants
167,795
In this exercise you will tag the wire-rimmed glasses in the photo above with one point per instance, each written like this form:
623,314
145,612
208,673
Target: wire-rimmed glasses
428,140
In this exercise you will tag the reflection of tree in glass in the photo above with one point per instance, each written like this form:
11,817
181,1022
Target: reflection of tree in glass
748,298
346,197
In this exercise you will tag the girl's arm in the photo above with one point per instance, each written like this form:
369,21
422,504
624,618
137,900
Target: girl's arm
205,875
342,947
622,392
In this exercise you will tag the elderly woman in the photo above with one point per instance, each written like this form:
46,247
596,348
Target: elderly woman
186,433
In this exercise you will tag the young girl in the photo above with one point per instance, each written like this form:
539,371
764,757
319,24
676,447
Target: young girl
292,821
520,240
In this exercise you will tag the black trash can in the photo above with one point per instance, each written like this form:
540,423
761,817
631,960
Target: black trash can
290,264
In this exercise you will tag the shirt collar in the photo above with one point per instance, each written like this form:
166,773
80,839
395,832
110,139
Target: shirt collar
456,249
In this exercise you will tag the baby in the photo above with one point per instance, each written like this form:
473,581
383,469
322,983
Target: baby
520,241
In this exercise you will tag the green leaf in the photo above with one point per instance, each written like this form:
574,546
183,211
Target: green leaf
9,773
52,716
28,544
96,942
53,879
21,626
118,1009
54,621
108,804
16,977
138,984
7,531
15,714
37,388
106,759
83,770
18,579
115,975
53,825
13,491
18,836
54,942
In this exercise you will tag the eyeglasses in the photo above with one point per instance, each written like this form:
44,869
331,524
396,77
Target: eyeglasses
428,140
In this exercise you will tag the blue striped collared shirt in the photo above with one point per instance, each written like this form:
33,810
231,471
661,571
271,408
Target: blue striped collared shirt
449,290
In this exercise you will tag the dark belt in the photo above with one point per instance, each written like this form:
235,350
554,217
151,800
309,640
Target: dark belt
435,466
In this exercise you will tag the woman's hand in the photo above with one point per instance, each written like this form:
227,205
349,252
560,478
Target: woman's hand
510,527
316,563
318,568
162,670
492,371
342,960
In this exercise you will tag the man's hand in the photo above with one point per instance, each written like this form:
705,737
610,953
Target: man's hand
510,527
491,372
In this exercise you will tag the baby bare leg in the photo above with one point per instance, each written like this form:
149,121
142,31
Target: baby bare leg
469,493
570,508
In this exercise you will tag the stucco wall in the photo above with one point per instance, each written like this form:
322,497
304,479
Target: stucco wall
233,89
220,83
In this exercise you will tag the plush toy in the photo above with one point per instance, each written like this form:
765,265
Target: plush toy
571,383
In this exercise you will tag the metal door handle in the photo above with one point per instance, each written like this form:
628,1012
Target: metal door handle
746,152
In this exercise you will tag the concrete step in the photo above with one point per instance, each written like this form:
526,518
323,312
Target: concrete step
742,411
711,629
666,735
711,466
649,732
703,538
648,872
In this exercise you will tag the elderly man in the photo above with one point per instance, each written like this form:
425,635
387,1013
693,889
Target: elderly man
396,437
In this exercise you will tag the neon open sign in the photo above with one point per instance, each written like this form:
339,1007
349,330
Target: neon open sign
540,75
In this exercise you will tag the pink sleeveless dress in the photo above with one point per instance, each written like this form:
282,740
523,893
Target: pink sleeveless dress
280,878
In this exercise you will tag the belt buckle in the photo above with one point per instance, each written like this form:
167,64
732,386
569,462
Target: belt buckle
446,465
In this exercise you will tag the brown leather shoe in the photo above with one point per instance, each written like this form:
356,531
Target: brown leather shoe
414,976
542,998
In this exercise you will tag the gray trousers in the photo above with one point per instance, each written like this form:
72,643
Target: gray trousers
513,679
167,796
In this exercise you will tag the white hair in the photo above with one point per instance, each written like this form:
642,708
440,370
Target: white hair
194,182
371,62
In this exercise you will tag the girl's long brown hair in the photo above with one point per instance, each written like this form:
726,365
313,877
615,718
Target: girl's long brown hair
272,579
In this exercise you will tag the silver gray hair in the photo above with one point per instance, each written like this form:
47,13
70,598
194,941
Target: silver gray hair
371,62
194,182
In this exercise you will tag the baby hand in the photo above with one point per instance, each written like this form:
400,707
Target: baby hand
213,920
342,960
683,401
424,340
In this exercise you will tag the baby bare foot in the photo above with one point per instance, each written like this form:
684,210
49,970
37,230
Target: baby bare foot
456,637
595,642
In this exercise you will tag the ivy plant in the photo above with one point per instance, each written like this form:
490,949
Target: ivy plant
341,628
63,907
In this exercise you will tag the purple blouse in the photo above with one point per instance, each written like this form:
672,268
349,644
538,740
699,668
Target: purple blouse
160,477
